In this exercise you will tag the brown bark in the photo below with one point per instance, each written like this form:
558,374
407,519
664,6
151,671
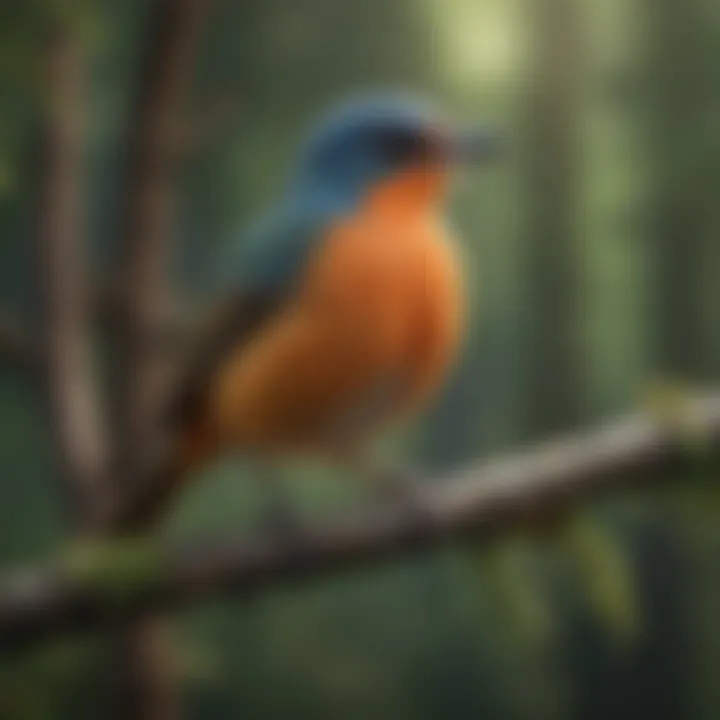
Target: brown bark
530,489
155,145
66,352
146,680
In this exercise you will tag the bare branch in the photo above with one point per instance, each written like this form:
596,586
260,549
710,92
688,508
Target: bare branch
233,319
155,146
62,285
19,346
483,501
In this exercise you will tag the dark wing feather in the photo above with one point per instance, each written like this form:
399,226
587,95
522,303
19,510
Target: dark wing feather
234,321
272,262
272,265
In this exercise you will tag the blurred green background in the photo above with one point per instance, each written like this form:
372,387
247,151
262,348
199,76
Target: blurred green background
593,266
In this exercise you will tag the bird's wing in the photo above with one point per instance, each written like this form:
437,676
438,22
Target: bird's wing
233,320
272,262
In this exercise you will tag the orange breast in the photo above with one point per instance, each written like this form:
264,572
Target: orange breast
370,334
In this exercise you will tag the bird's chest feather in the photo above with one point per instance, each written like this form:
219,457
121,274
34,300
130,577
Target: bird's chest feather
371,331
387,291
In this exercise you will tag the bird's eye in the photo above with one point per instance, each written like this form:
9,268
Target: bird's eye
401,147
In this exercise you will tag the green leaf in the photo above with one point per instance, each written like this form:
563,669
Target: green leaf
511,572
667,403
118,570
604,573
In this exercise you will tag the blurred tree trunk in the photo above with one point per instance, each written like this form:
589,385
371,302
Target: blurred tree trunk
65,349
551,255
146,677
679,127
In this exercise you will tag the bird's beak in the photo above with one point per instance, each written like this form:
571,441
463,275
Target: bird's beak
476,146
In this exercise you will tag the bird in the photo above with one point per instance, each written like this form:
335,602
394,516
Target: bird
346,308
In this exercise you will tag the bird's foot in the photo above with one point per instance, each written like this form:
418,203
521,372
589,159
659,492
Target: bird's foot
406,494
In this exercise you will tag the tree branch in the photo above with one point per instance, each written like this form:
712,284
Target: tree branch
483,501
62,286
174,332
146,689
155,147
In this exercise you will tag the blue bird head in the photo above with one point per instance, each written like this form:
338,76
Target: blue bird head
353,149
372,138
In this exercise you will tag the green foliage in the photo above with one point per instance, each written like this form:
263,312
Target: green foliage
511,572
520,576
667,404
119,570
603,574
44,684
